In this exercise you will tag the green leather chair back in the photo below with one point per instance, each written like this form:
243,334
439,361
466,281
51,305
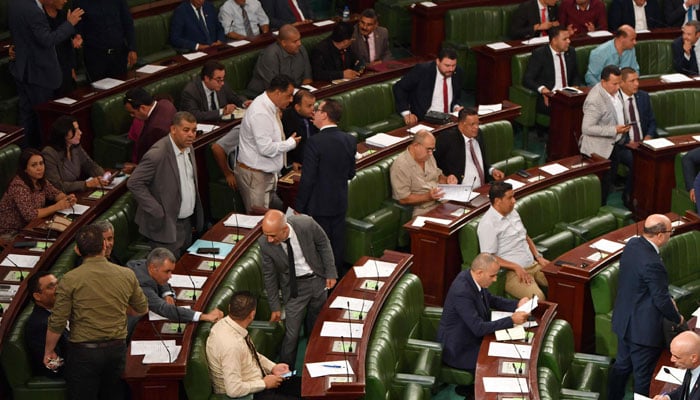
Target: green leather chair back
680,198
380,367
518,66
603,293
366,192
578,198
548,384
197,382
475,25
171,86
310,42
582,55
682,257
108,116
539,212
394,15
655,57
557,350
239,69
366,105
152,38
9,158
469,242
676,107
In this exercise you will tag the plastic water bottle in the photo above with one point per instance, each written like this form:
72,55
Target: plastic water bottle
346,13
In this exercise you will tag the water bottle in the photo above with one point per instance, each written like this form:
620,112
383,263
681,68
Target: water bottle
346,13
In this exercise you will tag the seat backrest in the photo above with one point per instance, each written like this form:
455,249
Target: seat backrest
518,66
675,107
310,42
548,385
539,212
557,349
171,86
498,140
475,25
582,54
239,69
108,116
678,170
655,57
682,257
14,356
604,289
578,198
197,382
366,191
152,34
366,105
469,242
380,366
9,159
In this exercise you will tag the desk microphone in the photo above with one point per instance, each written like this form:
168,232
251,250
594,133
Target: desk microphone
350,326
21,274
519,369
179,322
532,307
194,288
345,356
376,267
170,356
362,307
668,371
471,189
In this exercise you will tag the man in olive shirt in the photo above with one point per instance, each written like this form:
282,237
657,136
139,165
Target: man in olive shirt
97,313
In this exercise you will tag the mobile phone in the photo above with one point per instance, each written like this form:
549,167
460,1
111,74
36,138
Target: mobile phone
289,374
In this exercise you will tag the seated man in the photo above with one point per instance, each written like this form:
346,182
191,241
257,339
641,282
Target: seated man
685,354
552,67
157,117
195,26
296,119
287,56
618,51
430,86
208,97
42,286
235,367
283,12
243,19
639,14
333,58
685,57
582,16
466,316
501,233
153,274
534,18
691,166
459,152
678,12
415,175
369,40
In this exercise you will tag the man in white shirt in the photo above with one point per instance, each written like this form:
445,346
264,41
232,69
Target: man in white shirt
243,19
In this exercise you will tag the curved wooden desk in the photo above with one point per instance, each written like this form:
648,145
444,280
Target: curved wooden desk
13,134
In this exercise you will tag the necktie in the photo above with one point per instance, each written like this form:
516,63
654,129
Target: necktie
246,21
633,120
342,58
254,352
475,160
543,19
691,9
445,99
296,12
685,389
563,70
292,270
366,39
203,22
212,100
483,298
306,128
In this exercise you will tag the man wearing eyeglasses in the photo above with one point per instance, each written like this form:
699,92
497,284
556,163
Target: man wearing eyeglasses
641,305
208,97
415,175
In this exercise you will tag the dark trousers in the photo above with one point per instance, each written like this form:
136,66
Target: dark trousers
289,389
104,63
30,96
620,154
95,373
183,238
334,226
632,358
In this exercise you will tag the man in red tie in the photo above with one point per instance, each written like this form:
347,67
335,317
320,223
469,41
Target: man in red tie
533,18
283,12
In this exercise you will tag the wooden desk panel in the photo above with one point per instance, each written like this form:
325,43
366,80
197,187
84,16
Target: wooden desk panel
13,134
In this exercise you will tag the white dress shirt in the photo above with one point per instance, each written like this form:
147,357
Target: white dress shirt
436,103
640,16
301,266
470,172
186,175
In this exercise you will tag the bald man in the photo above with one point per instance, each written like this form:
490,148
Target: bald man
297,259
618,51
641,305
685,354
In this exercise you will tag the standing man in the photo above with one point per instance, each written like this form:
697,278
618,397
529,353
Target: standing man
263,147
97,316
42,286
685,53
552,67
195,26
639,14
534,18
685,354
294,12
459,152
157,117
329,163
604,124
430,86
208,97
287,56
618,51
109,40
35,67
297,260
333,58
164,185
297,119
641,304
243,19
370,42
582,16
502,234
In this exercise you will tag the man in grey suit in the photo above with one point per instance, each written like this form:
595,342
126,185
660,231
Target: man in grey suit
35,68
164,185
370,42
208,97
298,260
604,123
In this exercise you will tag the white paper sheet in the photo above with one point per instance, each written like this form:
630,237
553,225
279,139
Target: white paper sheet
459,193
382,140
638,396
658,143
420,127
510,350
342,329
372,267
489,108
106,83
150,68
140,347
243,221
20,261
607,246
116,181
419,222
599,34
675,376
162,355
674,78
309,88
195,55
355,304
184,281
554,168
238,43
537,40
516,184
65,100
78,209
325,368
498,45
529,306
324,22
505,385
515,333
206,128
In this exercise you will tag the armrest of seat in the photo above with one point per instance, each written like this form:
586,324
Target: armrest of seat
41,382
531,159
579,394
678,292
358,225
361,131
592,359
661,132
578,231
413,378
541,249
264,325
423,344
414,391
621,215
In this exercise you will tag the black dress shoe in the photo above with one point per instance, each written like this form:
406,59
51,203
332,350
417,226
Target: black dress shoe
465,390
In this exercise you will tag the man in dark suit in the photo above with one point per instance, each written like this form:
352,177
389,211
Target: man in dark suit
691,167
329,163
641,305
158,117
466,316
281,12
685,354
533,18
544,72
369,40
195,26
35,67
297,260
685,61
333,58
208,97
678,12
164,185
297,119
622,12
459,151
422,90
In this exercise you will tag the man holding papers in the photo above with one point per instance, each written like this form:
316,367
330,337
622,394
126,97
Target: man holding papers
235,366
685,354
298,260
466,317
641,305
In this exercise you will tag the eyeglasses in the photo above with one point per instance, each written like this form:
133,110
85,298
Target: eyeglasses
218,80
671,231
429,149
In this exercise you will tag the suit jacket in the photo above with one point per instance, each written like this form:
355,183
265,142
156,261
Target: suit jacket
677,393
646,114
293,122
466,320
450,153
526,16
35,340
329,163
275,264
642,300
675,13
155,127
327,63
195,101
598,132
691,166
622,12
680,64
540,71
155,185
414,91
186,31
381,45
279,12
36,61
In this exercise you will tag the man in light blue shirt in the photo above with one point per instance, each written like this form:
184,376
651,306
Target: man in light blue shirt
618,51
243,19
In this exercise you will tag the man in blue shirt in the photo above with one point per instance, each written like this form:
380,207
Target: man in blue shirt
618,51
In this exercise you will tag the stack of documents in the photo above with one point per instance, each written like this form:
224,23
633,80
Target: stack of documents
489,108
420,221
607,246
459,193
20,261
195,55
150,69
382,140
554,168
673,78
106,83
156,351
658,143
187,281
325,368
243,221
420,127
374,269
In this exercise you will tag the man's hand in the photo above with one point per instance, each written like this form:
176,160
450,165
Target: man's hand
272,381
296,167
73,16
410,119
435,193
524,300
523,275
661,397
621,129
498,174
541,260
519,317
276,316
350,74
692,195
11,52
77,41
330,283
231,180
295,137
228,109
169,299
131,59
590,26
129,167
212,316
280,369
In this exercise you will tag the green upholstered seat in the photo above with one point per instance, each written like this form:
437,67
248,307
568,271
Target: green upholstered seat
369,110
682,258
582,55
603,292
519,94
540,215
9,158
680,197
675,111
655,57
222,199
152,38
500,151
239,71
397,19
